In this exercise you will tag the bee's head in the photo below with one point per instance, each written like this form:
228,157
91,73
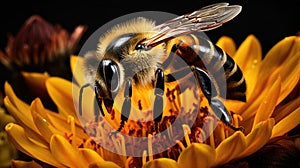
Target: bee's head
125,58
133,59
120,56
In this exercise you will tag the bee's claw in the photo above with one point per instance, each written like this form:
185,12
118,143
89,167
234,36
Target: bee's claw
114,133
242,129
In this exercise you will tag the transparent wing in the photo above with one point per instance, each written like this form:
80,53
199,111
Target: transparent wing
204,19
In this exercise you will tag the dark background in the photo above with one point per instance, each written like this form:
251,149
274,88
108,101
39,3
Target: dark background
269,21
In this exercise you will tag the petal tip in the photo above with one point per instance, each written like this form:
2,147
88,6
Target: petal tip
9,126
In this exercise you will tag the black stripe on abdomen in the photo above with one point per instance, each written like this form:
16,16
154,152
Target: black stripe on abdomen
236,84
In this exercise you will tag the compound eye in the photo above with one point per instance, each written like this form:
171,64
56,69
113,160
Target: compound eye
114,82
112,76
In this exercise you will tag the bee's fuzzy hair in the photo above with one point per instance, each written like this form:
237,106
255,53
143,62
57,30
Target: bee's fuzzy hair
136,25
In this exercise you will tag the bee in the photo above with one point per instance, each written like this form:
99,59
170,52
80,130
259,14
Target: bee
133,54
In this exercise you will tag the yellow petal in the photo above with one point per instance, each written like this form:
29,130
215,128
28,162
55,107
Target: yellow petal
20,117
227,44
282,55
44,127
17,137
251,81
287,123
60,90
230,148
248,57
287,70
104,164
249,110
258,137
290,72
25,121
197,155
284,49
90,155
37,106
282,111
35,80
161,163
61,124
65,153
77,69
56,122
18,109
269,103
24,164
5,119
249,54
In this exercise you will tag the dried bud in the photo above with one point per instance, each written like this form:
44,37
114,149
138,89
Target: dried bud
38,45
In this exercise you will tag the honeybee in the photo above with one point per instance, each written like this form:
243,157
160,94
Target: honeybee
133,54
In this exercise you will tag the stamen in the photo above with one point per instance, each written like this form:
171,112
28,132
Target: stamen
201,135
221,130
100,150
144,158
177,99
123,147
120,146
210,121
236,119
187,131
100,133
226,132
150,152
88,143
174,99
144,132
180,144
170,131
72,126
128,162
116,144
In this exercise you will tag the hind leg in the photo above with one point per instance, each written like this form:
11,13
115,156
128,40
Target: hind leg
210,92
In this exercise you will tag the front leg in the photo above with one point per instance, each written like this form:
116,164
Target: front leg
126,107
99,102
159,85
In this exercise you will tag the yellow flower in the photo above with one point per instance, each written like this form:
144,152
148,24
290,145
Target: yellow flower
63,139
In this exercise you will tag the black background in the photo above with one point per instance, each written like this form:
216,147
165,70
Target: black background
269,21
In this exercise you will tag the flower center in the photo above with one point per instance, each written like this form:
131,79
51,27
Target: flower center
140,136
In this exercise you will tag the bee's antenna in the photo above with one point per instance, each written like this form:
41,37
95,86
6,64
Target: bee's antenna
80,97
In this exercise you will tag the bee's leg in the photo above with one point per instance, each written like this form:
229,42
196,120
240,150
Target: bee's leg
126,107
158,102
80,97
210,92
99,102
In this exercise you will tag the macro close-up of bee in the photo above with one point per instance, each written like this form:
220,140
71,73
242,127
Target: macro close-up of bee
139,53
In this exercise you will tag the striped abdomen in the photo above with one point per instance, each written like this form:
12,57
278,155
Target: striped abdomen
202,53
